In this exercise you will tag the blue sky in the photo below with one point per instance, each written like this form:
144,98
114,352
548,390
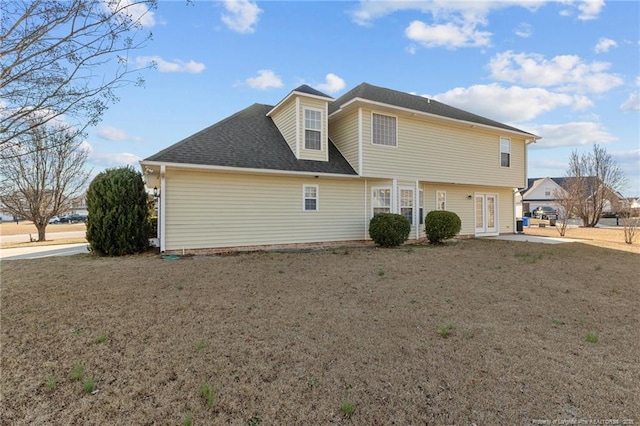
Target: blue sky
567,70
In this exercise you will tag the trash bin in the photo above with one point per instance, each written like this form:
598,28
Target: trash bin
519,226
552,222
525,221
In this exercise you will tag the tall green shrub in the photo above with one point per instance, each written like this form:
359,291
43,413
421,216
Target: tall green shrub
118,221
389,229
441,225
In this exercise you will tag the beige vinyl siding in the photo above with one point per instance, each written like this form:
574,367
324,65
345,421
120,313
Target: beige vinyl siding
313,154
285,121
436,152
211,209
343,133
458,202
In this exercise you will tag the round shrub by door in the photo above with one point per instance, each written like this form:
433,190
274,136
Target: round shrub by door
441,225
389,229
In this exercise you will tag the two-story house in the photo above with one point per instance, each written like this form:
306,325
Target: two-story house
313,169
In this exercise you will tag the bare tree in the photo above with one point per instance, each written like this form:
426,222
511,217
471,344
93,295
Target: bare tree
598,179
63,60
565,198
630,221
42,175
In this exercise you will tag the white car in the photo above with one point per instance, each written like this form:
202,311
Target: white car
54,219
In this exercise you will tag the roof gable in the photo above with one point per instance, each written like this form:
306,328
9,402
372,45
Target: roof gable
416,103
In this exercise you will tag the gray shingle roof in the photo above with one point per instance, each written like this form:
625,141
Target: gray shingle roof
416,103
248,139
310,91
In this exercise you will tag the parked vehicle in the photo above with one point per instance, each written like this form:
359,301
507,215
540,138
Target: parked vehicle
73,218
545,213
54,219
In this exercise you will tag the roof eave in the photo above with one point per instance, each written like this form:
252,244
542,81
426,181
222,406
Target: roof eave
531,138
190,166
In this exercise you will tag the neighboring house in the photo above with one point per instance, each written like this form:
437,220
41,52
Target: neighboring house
540,193
312,169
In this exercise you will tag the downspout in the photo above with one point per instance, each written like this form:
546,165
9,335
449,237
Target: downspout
161,218
366,213
416,208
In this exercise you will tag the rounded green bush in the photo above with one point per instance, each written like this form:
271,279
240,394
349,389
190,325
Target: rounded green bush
389,229
118,205
441,225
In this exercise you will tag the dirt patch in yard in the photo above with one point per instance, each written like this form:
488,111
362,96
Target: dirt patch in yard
478,331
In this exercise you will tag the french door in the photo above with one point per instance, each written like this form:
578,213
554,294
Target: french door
486,213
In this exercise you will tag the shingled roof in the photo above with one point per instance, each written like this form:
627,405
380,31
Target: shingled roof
248,139
417,103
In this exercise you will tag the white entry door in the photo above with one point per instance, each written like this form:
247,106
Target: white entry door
486,211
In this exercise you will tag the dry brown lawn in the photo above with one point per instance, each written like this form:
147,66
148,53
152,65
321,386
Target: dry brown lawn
299,337
611,238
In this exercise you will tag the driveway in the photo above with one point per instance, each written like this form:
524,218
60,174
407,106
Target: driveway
43,251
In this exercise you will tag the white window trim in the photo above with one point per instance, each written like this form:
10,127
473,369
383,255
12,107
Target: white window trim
304,197
304,129
509,152
387,115
374,189
445,199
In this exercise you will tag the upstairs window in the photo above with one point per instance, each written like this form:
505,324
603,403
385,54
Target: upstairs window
505,152
381,200
310,198
383,130
312,129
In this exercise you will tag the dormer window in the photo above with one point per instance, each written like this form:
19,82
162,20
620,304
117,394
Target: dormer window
312,129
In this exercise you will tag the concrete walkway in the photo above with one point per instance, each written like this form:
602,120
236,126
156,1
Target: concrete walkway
533,239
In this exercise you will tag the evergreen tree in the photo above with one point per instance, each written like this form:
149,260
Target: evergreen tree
118,222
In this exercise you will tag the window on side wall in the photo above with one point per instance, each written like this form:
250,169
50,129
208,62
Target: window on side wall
505,152
310,198
312,129
441,200
383,130
406,204
381,200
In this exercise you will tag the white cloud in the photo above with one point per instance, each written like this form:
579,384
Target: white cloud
632,103
590,9
177,65
368,11
604,44
451,35
112,133
266,79
241,15
333,84
569,72
509,104
524,30
110,159
577,133
136,12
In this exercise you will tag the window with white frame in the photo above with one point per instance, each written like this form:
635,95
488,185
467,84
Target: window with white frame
312,129
505,152
383,130
406,204
310,198
547,192
421,206
441,200
381,200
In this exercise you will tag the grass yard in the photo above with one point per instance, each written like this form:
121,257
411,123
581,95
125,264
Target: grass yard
479,332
